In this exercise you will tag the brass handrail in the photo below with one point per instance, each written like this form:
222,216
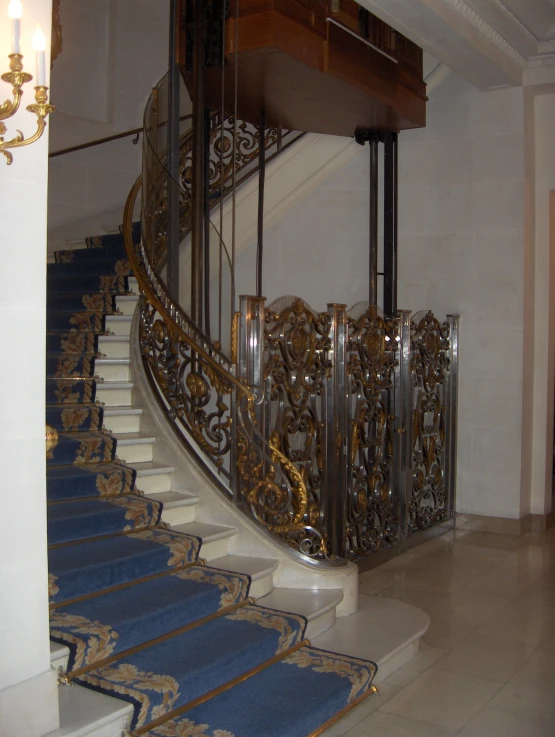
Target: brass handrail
107,139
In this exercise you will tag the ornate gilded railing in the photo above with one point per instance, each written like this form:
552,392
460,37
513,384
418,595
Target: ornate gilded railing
335,431
365,408
214,412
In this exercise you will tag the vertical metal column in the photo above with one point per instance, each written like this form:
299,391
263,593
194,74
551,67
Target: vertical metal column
390,224
206,203
197,236
261,180
403,401
451,406
373,231
336,461
173,157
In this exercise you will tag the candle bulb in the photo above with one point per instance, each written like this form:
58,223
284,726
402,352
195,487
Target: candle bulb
15,10
39,44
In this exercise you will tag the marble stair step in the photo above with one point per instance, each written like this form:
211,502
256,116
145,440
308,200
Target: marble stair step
132,447
179,506
216,539
122,419
126,303
261,571
384,630
59,655
153,478
119,324
114,346
86,713
317,605
114,393
112,369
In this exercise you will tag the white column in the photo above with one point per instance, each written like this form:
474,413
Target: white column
28,693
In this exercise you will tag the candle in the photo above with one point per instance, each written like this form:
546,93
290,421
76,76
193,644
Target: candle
39,44
15,10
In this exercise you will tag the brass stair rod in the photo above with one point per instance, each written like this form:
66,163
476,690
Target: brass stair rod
51,437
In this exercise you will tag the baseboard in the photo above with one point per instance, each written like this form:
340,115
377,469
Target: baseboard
541,522
496,525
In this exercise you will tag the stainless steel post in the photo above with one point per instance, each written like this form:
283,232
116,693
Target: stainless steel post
451,405
334,507
403,401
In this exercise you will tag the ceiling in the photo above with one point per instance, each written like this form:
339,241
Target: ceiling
491,43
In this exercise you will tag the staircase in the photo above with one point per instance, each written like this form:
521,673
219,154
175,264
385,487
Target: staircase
148,604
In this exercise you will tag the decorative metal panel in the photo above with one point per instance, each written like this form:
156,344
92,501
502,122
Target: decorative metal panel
296,367
372,514
429,368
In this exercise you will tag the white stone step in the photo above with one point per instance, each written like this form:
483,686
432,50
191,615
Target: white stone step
386,631
119,324
114,346
59,655
317,605
215,538
179,506
122,419
133,447
153,478
126,303
112,369
261,571
114,393
85,713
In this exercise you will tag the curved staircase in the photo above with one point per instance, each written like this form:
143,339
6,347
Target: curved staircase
136,613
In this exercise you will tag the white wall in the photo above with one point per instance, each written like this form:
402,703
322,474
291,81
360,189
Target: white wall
28,695
114,52
460,250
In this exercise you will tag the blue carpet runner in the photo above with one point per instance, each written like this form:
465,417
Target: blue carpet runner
144,619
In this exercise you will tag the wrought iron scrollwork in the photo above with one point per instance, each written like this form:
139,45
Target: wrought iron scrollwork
372,514
296,366
429,367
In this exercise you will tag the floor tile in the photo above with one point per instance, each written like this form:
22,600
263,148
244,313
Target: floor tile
421,599
355,717
375,581
447,629
523,622
444,699
466,600
530,691
427,656
502,585
493,658
495,723
499,542
380,724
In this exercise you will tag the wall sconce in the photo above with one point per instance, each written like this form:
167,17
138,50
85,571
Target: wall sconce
17,78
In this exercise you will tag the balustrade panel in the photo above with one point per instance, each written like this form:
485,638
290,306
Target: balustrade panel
373,516
297,368
429,502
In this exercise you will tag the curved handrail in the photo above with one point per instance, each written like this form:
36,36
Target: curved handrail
258,462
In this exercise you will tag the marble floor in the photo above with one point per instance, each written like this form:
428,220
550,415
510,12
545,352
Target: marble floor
487,664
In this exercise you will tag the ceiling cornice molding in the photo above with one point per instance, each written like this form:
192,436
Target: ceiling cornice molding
487,31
